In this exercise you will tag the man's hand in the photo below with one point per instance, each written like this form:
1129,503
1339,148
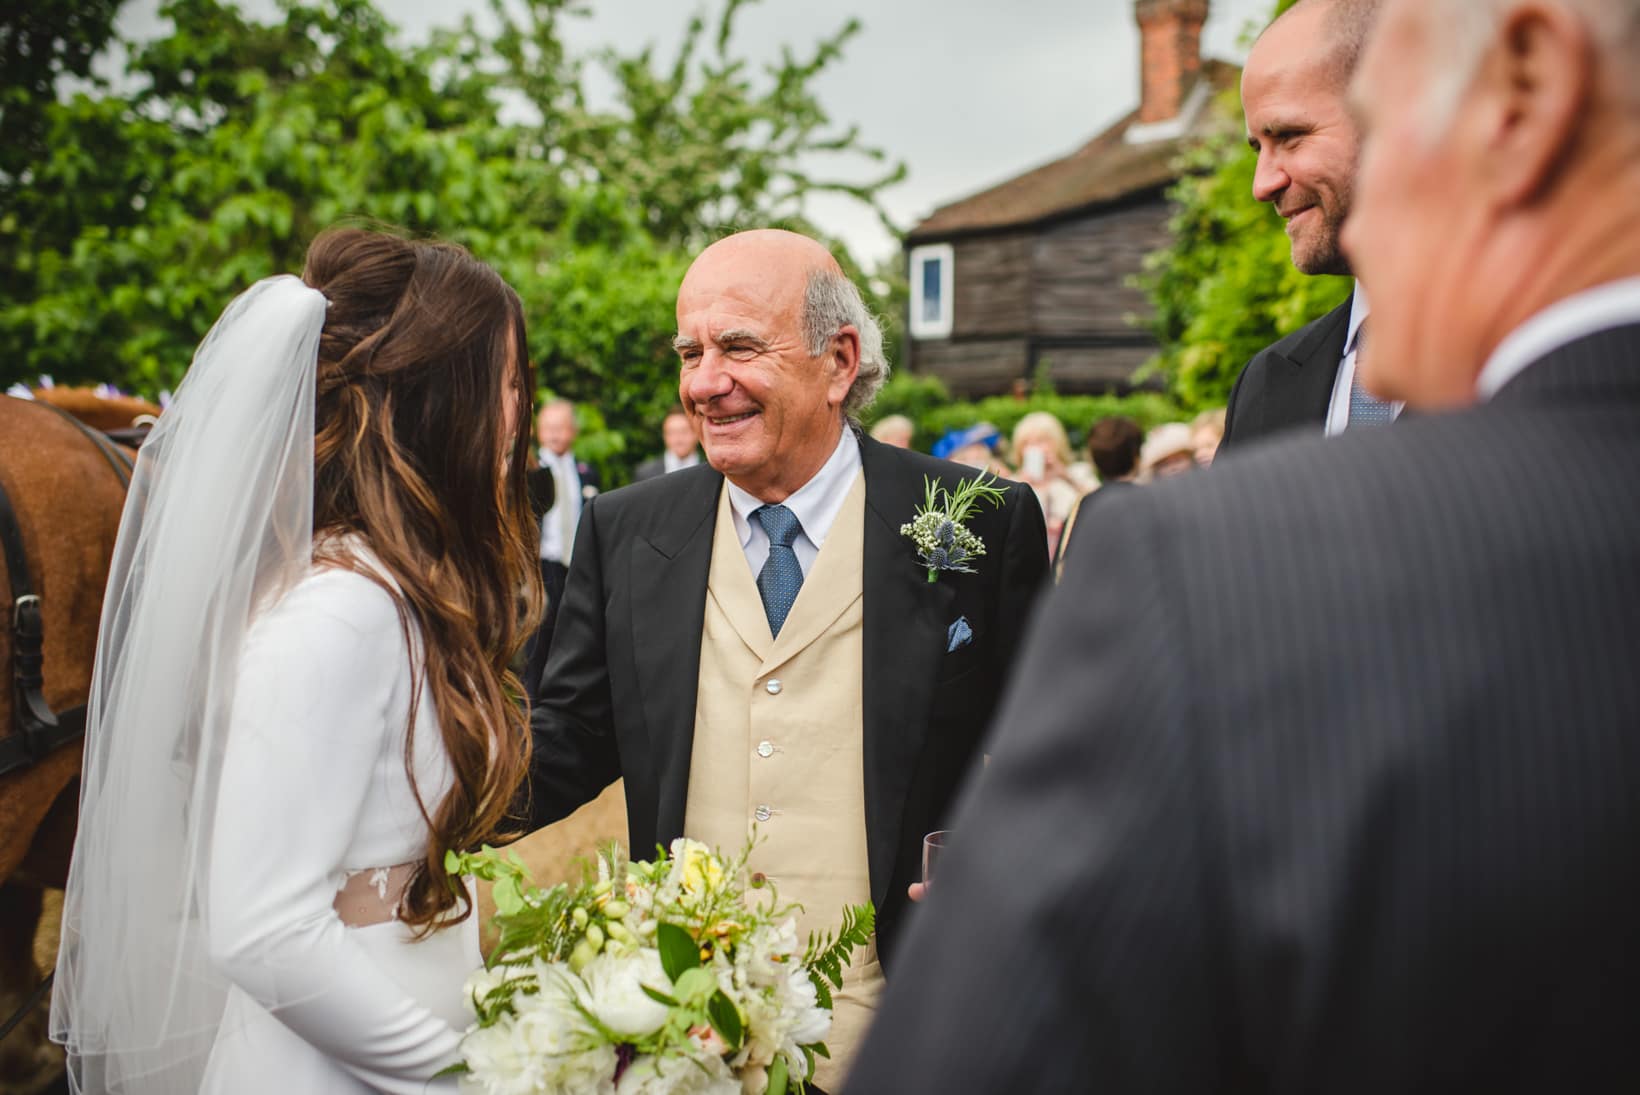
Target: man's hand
916,891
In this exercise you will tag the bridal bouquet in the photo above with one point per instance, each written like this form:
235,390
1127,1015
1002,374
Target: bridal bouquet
680,975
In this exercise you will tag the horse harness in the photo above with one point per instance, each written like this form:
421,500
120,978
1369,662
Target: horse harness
38,729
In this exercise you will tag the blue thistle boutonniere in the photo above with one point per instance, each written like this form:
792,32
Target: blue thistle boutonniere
943,542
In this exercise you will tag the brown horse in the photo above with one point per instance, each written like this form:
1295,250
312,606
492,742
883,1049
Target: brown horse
67,498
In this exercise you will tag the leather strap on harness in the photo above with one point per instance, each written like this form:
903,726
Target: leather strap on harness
39,730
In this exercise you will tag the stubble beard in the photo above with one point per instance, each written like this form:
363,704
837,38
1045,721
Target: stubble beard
1322,253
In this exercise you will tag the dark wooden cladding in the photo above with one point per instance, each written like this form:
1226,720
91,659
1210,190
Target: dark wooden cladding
974,367
1090,370
1082,269
1057,292
992,290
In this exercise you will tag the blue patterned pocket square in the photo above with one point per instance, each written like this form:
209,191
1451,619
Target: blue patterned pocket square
958,634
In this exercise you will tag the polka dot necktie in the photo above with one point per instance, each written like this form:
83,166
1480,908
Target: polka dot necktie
782,575
1366,409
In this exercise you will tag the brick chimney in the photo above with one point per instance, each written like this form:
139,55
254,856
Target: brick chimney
1170,56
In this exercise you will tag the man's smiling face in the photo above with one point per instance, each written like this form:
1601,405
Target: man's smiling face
768,411
1293,92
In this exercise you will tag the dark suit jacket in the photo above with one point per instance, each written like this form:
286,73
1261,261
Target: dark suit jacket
618,694
1327,779
1288,385
653,468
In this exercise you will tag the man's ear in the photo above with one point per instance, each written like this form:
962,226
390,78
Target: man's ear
1537,82
843,358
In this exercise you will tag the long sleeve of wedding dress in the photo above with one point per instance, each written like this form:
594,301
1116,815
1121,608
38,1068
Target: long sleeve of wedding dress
313,790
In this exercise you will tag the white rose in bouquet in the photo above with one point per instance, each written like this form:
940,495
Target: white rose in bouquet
545,1044
771,952
614,991
782,1021
678,1076
682,976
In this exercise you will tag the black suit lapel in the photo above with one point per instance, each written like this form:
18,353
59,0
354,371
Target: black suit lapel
905,622
1300,386
669,563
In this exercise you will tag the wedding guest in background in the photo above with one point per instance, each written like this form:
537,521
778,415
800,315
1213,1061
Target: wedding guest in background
301,708
1206,434
1042,453
574,483
1169,450
1293,90
1114,445
896,430
976,447
680,451
756,642
1291,797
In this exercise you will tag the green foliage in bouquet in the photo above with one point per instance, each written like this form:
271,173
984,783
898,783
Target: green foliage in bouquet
686,962
828,954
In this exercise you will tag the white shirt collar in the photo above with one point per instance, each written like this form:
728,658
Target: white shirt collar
816,503
1359,310
1615,304
671,462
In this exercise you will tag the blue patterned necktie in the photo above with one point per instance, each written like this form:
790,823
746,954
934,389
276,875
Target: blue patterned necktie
1366,409
782,575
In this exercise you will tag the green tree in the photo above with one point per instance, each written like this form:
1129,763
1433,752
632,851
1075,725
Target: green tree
42,41
1225,286
699,144
142,212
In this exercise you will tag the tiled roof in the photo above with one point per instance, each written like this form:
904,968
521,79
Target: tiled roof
1106,169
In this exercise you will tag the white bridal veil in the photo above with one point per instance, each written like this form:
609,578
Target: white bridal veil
218,521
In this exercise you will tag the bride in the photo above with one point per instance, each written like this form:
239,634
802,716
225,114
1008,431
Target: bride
301,696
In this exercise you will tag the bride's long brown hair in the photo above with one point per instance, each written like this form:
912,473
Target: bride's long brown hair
422,351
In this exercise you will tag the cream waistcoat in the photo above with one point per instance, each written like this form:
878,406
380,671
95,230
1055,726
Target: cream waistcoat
778,743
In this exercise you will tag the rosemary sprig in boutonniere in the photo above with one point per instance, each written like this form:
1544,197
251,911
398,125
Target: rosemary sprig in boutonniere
943,542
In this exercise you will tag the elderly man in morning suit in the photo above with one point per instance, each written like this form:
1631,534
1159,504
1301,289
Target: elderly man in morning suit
1293,92
1327,777
755,641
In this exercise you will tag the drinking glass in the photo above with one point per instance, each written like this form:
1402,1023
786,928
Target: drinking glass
934,845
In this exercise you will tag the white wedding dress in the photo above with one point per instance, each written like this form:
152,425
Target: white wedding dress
313,792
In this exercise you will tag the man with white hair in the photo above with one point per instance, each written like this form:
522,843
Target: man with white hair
1327,778
755,642
1293,93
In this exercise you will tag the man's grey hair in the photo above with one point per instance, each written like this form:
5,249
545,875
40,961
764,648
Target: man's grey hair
1348,23
1466,28
830,303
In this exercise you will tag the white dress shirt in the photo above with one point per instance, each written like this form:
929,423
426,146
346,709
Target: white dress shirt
671,463
1615,304
566,492
815,505
1338,411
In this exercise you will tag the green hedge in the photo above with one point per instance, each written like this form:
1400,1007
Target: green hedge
928,403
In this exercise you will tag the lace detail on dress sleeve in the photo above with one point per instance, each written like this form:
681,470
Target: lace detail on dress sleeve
372,895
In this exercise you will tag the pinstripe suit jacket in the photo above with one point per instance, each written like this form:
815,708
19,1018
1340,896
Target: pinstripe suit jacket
1326,778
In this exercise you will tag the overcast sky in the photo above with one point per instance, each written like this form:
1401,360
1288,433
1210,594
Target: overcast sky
966,92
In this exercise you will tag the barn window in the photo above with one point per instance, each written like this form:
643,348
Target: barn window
931,276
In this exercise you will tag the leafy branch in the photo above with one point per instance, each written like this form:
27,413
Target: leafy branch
827,955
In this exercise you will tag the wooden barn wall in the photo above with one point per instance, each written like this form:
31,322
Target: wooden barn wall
991,294
1078,370
1081,270
973,368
